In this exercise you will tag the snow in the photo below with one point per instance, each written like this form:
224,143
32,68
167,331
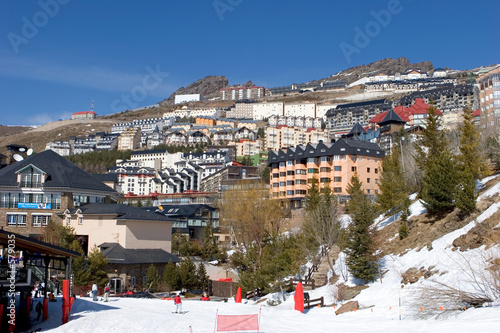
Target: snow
385,306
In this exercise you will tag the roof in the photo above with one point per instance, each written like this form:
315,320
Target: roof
175,211
30,244
357,129
391,117
84,112
61,173
476,113
418,107
116,254
121,212
106,177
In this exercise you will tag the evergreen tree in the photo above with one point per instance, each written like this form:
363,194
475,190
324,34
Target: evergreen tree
440,179
97,267
202,276
187,273
472,164
439,185
209,249
171,276
79,266
152,278
359,243
392,184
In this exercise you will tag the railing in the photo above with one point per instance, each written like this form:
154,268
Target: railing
313,303
41,276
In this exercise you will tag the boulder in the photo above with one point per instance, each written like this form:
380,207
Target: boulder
348,307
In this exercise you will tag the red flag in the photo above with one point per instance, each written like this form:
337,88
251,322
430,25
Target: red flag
299,298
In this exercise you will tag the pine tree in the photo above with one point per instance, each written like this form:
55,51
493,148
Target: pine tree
187,273
472,164
97,266
202,276
359,244
392,184
171,276
440,178
439,185
79,265
209,249
152,278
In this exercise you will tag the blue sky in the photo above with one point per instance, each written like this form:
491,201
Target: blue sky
56,56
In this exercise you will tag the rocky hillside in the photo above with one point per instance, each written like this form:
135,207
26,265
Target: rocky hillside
209,87
388,66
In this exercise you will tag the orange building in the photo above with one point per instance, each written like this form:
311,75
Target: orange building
333,165
205,121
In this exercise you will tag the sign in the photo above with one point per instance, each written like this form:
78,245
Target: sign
32,205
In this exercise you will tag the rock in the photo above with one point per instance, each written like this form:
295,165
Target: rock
348,307
346,293
209,86
412,275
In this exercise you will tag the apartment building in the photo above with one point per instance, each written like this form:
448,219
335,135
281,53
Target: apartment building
284,136
488,84
236,93
129,139
332,165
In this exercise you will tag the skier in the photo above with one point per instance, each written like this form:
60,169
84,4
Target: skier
106,293
94,292
178,304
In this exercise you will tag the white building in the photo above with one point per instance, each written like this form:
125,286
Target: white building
188,98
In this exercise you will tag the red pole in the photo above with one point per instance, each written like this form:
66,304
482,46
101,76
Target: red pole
299,298
28,305
45,308
66,301
237,299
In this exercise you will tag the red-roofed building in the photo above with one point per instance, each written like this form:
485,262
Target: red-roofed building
477,118
84,115
413,115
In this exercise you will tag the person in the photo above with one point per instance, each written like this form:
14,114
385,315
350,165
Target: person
42,289
94,292
52,298
35,289
178,303
107,289
39,309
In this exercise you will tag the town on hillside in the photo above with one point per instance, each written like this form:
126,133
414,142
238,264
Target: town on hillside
178,191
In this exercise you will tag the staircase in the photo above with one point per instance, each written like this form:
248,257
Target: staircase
320,276
40,277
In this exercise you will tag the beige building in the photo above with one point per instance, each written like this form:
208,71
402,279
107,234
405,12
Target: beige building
131,227
284,137
129,139
489,95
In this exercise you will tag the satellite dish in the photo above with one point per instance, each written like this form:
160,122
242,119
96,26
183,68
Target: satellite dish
22,149
18,157
30,151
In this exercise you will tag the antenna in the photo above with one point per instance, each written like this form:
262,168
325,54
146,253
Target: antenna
18,157
92,105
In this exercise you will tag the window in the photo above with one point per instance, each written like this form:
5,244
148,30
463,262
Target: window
68,220
289,192
376,181
368,170
290,173
337,179
312,170
324,169
276,175
301,192
367,180
16,219
353,169
325,180
300,172
290,182
337,168
337,190
289,163
80,220
368,191
40,220
276,184
282,183
300,181
376,170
